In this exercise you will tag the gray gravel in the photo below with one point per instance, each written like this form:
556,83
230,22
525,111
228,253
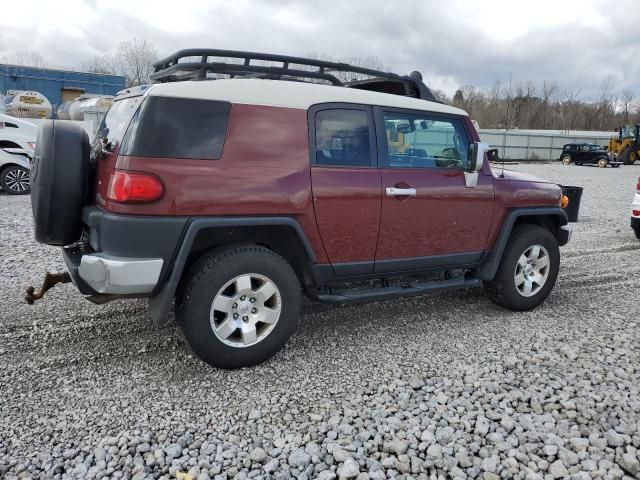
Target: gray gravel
432,387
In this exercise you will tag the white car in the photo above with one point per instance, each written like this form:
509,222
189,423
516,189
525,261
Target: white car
17,133
635,211
17,144
15,166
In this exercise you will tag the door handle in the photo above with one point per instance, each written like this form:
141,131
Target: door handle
400,192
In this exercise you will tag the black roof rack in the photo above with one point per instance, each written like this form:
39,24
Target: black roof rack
179,66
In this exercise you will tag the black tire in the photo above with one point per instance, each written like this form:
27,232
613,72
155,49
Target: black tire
637,232
603,162
14,180
502,289
565,159
202,284
59,182
627,155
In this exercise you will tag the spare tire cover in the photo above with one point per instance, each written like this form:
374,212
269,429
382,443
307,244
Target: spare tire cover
59,182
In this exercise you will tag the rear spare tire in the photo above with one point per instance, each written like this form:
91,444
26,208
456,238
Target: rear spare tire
59,182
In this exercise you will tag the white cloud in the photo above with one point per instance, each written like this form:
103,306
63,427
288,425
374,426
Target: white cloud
575,43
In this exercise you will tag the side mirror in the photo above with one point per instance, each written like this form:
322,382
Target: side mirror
477,151
492,155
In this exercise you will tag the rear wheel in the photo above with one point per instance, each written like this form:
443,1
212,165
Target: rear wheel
566,159
239,306
603,162
528,269
14,180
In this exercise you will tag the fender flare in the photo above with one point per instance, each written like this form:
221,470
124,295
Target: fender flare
490,264
160,303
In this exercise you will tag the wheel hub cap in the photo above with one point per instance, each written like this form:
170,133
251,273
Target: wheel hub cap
532,270
17,180
245,310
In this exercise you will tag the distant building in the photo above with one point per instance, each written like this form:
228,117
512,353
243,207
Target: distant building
58,85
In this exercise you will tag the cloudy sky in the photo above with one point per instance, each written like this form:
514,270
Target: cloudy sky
578,43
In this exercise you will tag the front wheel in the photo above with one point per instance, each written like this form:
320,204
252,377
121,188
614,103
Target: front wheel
239,306
603,162
528,269
566,159
14,180
629,156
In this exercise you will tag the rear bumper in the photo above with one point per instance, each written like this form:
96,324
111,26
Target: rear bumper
126,254
99,273
120,275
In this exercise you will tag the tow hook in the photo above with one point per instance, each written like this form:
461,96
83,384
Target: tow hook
50,280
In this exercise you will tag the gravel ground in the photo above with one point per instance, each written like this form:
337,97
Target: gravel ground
432,387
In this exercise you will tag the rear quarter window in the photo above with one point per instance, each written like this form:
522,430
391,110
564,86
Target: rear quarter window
178,128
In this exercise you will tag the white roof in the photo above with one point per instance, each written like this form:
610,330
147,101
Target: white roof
279,93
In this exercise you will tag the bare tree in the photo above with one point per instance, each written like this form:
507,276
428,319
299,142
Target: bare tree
626,99
133,60
25,58
373,63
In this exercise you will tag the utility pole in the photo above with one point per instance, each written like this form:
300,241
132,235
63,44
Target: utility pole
506,122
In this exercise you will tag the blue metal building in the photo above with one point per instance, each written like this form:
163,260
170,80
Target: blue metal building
58,85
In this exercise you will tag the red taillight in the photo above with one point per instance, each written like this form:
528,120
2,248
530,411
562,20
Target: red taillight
134,187
635,213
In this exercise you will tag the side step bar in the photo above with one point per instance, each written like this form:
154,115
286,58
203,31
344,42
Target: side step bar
388,293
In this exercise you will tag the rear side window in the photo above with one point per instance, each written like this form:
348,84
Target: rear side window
342,138
178,128
114,124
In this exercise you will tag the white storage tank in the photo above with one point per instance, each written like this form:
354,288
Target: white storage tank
27,104
86,107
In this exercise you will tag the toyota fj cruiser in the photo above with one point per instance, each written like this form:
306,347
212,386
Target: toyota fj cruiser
232,197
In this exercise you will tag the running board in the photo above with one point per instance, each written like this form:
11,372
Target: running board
388,293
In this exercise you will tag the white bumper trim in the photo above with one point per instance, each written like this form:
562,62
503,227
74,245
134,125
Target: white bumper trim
120,275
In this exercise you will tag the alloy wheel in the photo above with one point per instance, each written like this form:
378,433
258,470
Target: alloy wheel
532,270
17,180
245,310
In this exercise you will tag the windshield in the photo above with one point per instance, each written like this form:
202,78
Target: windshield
114,124
628,131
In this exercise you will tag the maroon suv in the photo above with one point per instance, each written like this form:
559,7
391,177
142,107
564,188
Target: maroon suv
234,197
